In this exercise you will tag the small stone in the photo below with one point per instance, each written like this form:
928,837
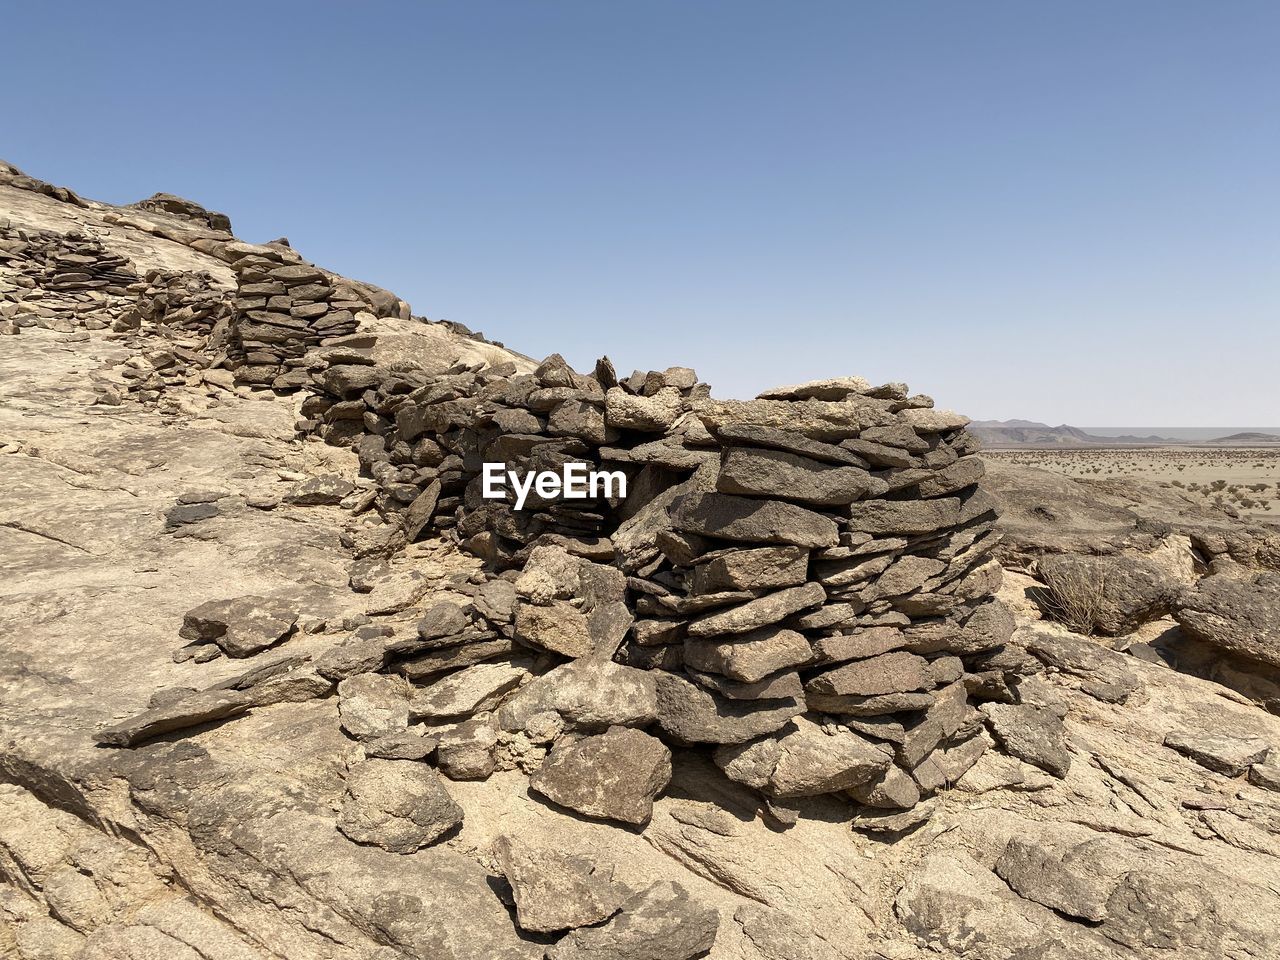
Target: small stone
328,490
466,752
241,626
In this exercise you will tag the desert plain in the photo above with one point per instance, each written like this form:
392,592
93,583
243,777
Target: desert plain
1245,479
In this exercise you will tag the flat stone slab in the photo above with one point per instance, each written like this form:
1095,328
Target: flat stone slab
1227,755
752,521
610,776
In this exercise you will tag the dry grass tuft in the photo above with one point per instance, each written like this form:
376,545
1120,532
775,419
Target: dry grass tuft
1075,598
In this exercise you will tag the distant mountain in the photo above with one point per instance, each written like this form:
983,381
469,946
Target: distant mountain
1028,433
1249,436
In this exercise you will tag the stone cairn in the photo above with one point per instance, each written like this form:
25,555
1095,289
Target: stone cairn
61,281
802,582
284,309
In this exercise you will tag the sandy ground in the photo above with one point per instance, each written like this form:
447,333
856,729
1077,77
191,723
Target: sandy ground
1245,478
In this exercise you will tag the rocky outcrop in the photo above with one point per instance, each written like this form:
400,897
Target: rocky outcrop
579,739
1237,615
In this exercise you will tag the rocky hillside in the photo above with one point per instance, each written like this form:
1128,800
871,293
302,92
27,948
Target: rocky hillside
277,681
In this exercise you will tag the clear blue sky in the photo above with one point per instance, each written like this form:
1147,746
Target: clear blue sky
1061,211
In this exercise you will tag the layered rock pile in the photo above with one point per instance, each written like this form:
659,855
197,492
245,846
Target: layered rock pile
62,281
285,308
185,209
808,573
181,324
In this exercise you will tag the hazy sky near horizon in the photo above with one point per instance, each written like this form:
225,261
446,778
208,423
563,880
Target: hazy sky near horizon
1067,211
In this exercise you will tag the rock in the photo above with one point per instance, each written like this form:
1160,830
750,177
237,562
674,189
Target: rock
748,657
790,441
780,935
612,776
476,688
960,908
398,805
655,414
421,511
777,686
889,673
1237,615
803,760
442,620
815,419
752,521
551,573
1113,595
882,517
1046,876
790,476
448,659
588,694
1104,673
903,576
660,923
555,890
1227,755
869,706
329,490
963,473
691,714
760,612
372,705
190,711
1030,733
1265,775
928,420
409,744
558,627
466,752
762,568
886,822
837,388
242,626
893,789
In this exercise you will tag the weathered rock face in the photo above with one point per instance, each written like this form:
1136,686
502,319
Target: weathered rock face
1236,615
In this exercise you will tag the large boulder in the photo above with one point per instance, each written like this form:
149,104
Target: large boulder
1240,616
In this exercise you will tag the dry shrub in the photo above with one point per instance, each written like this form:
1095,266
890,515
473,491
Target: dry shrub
1075,597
